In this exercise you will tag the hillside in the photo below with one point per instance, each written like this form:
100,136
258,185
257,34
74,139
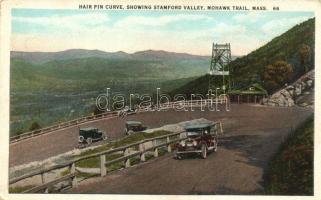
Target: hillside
250,68
290,171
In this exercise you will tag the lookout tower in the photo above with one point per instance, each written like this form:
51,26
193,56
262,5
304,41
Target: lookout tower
219,70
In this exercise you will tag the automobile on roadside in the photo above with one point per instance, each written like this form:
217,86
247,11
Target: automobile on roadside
134,126
90,135
200,139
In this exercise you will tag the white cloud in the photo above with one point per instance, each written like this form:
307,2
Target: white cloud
125,37
248,17
229,29
158,21
115,38
278,26
71,21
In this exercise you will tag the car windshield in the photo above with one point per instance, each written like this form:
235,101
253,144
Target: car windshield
193,132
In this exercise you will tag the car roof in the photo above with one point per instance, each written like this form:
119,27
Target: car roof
133,122
87,129
196,126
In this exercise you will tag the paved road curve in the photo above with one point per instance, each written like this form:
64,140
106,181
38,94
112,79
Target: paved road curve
252,136
57,142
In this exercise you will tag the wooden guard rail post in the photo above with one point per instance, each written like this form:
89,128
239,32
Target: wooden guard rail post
142,150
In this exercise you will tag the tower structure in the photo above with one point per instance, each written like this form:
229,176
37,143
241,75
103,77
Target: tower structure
219,69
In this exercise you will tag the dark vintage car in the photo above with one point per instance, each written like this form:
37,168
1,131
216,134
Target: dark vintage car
200,139
89,135
133,126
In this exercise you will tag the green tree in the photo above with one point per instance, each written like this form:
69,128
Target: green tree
97,111
304,56
34,126
277,74
18,132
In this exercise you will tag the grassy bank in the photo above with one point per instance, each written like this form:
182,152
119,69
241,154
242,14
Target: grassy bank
95,162
290,171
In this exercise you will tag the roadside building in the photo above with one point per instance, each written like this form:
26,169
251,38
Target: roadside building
253,93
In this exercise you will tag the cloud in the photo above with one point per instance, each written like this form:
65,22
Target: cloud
197,41
278,26
229,29
97,31
70,21
248,17
158,21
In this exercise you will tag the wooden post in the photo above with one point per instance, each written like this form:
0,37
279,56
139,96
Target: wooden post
103,170
255,99
127,161
43,182
73,171
248,99
169,149
238,99
42,178
142,154
155,149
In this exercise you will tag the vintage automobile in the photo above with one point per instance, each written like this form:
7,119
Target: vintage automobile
133,126
200,139
90,134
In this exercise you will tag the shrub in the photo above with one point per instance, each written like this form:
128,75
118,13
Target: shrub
34,126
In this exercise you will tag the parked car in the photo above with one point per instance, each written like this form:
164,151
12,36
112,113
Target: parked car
89,135
200,139
133,126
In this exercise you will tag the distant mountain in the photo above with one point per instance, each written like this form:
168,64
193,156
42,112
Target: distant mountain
43,57
160,54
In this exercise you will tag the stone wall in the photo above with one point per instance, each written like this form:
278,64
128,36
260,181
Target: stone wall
286,97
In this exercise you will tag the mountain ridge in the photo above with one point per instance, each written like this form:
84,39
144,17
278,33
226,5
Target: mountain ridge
38,57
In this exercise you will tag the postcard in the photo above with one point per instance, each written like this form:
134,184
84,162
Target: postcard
128,98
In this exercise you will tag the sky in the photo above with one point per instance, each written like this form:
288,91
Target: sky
50,30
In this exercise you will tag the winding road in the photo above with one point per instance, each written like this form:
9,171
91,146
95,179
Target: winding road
252,133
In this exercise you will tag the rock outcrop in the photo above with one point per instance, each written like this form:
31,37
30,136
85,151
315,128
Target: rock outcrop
286,97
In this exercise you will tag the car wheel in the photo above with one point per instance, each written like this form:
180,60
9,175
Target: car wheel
89,141
215,149
178,157
215,146
104,137
204,151
81,139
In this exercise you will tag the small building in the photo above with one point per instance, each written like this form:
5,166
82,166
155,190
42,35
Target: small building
254,93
